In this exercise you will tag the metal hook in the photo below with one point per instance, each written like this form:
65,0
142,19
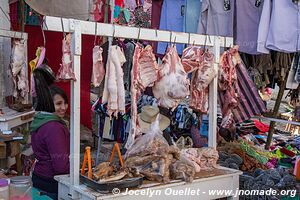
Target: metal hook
139,34
156,34
21,39
95,34
205,42
44,38
62,26
189,39
174,41
114,30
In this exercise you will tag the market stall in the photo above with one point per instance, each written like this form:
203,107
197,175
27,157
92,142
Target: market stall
77,28
18,114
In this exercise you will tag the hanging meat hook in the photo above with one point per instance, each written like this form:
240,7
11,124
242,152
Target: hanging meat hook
95,34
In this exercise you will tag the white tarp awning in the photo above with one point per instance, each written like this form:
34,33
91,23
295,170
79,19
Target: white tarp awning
77,9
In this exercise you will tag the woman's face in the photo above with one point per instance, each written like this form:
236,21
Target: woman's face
60,105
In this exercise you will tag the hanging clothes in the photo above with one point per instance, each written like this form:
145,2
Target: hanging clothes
216,17
192,15
172,18
247,15
279,27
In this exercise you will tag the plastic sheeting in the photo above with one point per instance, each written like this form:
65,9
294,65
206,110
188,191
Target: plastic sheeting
77,9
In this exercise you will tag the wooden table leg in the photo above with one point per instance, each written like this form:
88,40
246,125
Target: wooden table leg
19,164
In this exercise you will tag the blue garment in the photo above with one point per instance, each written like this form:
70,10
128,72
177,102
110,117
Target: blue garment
172,18
192,15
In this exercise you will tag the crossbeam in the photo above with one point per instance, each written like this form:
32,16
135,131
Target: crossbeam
110,30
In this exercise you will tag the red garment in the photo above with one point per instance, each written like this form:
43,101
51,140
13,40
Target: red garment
261,126
119,3
155,18
54,54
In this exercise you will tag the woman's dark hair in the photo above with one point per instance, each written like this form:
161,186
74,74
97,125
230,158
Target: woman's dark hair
57,90
43,78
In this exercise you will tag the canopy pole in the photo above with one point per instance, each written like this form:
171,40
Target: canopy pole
275,110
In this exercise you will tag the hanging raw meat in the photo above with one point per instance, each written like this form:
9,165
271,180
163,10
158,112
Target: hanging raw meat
114,91
172,84
18,57
192,58
195,58
18,65
143,74
66,71
23,83
228,85
98,68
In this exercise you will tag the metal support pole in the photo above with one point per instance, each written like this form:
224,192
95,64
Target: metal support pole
75,109
213,96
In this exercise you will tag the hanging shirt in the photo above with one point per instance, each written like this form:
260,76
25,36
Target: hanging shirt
279,26
248,14
215,19
172,18
192,15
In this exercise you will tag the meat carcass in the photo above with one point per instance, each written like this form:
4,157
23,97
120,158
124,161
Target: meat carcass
228,85
208,155
18,69
98,68
66,71
200,62
18,57
172,84
143,74
192,155
192,58
23,83
114,91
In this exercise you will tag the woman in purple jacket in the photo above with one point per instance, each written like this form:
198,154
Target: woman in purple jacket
50,136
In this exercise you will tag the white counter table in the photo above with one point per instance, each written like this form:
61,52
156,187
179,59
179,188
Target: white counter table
12,118
222,179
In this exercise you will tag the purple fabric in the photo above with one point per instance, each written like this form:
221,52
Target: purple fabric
51,146
215,20
279,27
250,103
247,22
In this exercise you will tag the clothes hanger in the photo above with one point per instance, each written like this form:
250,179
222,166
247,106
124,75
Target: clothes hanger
258,2
227,6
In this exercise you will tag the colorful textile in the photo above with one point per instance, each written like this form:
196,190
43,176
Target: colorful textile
253,153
